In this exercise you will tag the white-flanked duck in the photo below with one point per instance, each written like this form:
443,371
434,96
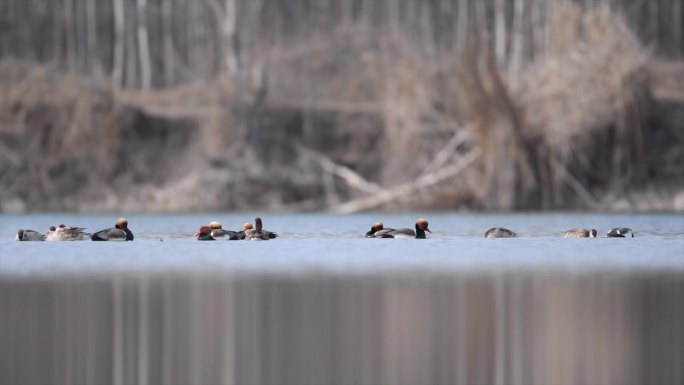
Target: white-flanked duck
119,232
377,230
419,233
580,233
258,233
66,233
204,234
499,232
29,235
217,232
619,232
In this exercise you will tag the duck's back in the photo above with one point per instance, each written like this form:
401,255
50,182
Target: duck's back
499,232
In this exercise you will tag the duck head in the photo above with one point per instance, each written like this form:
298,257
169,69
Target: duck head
375,227
422,224
121,223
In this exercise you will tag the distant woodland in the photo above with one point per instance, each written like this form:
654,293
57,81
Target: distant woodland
341,105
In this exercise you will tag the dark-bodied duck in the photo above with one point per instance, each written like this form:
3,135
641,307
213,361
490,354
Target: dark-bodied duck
204,234
419,233
217,232
619,232
119,232
258,233
580,233
29,235
377,230
499,232
66,233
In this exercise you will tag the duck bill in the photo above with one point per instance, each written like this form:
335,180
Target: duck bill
197,235
428,230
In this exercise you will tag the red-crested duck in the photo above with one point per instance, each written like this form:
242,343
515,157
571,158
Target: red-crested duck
419,233
204,234
119,232
377,230
217,231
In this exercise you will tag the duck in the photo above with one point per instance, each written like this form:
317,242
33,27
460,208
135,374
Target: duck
119,232
580,233
377,230
499,232
204,234
619,232
217,231
66,233
258,233
419,233
29,235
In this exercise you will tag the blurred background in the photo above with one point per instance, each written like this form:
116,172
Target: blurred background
354,105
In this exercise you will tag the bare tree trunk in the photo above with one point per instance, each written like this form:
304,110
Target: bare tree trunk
462,26
69,34
119,43
500,32
538,28
426,27
55,52
517,49
653,28
169,56
131,78
144,46
230,38
93,55
677,28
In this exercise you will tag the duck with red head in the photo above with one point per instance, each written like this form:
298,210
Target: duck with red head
119,232
377,230
419,233
258,233
204,234
217,232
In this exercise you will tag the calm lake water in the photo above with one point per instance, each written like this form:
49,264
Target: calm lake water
323,242
321,304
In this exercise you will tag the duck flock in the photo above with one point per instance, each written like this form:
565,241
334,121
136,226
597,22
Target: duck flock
214,231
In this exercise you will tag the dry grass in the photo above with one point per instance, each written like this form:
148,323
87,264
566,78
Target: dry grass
579,127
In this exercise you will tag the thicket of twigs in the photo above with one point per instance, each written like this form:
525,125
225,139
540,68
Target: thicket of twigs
359,119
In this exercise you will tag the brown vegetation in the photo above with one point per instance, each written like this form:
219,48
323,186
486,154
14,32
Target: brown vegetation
363,118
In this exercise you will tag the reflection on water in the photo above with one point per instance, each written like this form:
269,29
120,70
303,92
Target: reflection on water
324,305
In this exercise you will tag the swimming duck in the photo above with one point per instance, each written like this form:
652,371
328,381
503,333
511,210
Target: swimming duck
258,233
66,233
29,235
619,232
419,233
119,232
217,231
499,232
378,230
580,233
204,234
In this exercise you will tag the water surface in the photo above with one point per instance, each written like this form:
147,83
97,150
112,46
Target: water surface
335,243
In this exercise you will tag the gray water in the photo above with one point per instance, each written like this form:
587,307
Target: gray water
322,304
312,242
